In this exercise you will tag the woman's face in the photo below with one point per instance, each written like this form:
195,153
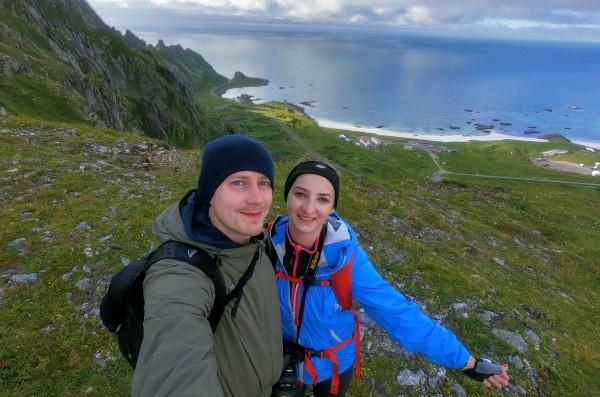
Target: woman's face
309,203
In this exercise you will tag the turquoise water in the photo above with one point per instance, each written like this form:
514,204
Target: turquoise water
414,84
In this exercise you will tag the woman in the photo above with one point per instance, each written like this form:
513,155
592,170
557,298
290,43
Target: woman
318,263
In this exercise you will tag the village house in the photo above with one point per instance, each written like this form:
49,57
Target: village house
554,152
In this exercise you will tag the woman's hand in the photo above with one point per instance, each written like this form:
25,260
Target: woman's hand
498,381
487,371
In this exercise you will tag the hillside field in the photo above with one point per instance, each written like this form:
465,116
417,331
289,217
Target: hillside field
510,266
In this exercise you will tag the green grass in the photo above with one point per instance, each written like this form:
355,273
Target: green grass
580,157
507,158
439,241
38,98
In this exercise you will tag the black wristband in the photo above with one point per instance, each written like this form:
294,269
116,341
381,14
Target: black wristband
483,369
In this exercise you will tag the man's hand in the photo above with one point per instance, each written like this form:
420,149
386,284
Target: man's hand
488,372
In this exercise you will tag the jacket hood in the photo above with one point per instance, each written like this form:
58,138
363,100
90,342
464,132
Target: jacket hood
340,242
170,226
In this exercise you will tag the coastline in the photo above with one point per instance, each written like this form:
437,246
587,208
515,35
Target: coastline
341,126
493,136
239,80
595,145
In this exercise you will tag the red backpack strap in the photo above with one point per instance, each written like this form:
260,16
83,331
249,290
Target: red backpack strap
357,369
342,284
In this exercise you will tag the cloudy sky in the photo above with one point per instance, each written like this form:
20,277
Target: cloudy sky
536,19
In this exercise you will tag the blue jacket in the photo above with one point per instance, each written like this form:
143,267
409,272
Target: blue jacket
325,324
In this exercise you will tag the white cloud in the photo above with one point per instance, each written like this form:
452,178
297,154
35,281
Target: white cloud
357,18
417,15
429,14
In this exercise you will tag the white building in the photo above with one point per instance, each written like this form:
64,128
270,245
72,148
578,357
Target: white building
363,142
554,152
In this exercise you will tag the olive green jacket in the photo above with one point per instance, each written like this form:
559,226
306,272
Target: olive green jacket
180,356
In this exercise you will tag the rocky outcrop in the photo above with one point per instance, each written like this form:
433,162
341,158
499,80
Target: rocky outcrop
187,66
240,80
10,66
134,41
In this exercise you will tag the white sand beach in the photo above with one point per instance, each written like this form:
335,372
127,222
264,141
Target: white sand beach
595,145
493,136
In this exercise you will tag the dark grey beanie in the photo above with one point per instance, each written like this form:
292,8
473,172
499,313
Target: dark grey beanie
228,155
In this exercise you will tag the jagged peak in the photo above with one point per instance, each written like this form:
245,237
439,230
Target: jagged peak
133,40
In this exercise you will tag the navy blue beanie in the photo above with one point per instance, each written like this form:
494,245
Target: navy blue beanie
228,155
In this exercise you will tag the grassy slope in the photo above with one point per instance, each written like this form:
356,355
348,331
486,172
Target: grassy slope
42,94
438,240
33,95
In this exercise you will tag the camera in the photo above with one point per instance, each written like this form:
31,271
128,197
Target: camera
288,380
286,385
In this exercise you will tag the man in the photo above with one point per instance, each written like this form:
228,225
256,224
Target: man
180,356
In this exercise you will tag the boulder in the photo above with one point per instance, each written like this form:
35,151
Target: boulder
486,316
511,338
406,377
459,391
516,362
21,246
26,279
460,307
437,377
102,359
83,226
84,284
533,338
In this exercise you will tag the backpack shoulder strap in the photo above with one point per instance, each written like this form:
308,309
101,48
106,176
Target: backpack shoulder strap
269,247
237,292
201,260
341,282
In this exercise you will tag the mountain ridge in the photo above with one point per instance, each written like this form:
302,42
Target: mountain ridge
99,75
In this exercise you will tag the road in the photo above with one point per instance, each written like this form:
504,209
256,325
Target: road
442,171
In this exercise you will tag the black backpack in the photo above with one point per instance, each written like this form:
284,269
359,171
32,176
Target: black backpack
122,308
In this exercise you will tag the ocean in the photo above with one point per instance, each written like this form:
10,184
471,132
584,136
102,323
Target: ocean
409,83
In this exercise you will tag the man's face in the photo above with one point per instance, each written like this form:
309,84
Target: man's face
240,204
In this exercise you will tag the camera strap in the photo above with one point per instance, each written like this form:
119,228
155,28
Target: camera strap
309,276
